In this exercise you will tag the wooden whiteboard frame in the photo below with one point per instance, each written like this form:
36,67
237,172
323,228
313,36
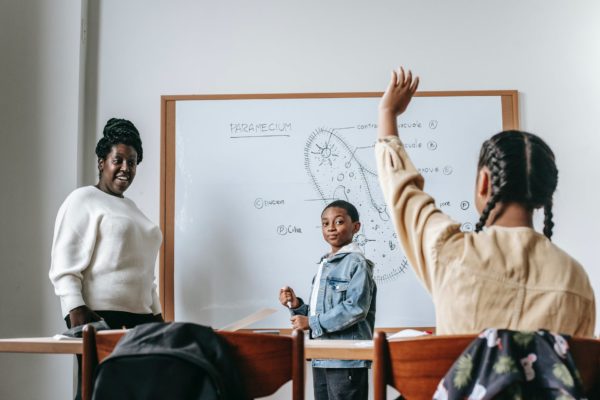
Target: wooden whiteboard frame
510,120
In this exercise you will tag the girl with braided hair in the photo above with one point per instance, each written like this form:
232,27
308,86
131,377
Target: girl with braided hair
505,274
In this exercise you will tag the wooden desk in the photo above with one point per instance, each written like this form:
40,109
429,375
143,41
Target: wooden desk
339,349
333,349
41,345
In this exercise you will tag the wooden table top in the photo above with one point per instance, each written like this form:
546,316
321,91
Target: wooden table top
326,349
41,345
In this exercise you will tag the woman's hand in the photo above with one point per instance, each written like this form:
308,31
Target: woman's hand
288,298
394,101
82,315
158,318
300,322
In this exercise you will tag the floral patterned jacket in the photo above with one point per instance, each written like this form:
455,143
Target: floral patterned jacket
505,364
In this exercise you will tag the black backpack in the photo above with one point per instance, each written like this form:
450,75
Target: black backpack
168,361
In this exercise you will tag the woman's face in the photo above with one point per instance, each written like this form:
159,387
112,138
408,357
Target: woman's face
117,170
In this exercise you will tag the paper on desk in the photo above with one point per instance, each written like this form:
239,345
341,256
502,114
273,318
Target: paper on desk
64,337
249,320
408,333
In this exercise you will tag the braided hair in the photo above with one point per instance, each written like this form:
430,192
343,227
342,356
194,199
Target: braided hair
522,170
119,131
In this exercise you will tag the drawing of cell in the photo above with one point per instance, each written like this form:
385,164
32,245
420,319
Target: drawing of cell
325,153
337,173
362,240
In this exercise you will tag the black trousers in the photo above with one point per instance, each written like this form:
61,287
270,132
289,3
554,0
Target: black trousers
341,383
116,320
120,319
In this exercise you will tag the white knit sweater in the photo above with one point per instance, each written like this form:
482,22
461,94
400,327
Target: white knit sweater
103,254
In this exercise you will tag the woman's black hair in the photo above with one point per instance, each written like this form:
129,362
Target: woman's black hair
350,209
522,170
119,131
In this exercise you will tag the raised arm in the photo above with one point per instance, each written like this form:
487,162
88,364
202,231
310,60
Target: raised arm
396,98
420,226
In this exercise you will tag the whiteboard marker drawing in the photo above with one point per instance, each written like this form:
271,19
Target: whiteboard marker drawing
337,173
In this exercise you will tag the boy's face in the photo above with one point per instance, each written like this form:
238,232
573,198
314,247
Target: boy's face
338,228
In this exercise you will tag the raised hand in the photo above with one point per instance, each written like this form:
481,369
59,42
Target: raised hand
399,92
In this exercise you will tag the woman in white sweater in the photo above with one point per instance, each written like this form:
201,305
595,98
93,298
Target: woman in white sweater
104,247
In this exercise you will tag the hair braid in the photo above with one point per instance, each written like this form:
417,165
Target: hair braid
522,170
496,184
548,223
486,213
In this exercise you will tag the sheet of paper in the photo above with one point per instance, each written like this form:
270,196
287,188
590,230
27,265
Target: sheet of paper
249,320
407,333
64,337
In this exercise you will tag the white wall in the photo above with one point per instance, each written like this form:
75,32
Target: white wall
544,49
139,50
39,109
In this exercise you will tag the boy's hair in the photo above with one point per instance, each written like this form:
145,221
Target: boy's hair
119,131
522,170
350,209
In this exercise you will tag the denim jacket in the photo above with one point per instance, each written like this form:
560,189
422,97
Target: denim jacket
345,303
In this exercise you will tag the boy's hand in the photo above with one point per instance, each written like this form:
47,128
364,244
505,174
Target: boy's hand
399,92
288,298
396,98
300,322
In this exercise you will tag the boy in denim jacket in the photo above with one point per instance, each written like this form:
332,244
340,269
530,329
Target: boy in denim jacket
341,306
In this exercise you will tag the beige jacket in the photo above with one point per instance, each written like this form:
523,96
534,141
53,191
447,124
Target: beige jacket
512,278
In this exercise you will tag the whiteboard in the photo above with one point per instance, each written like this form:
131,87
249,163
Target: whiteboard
246,179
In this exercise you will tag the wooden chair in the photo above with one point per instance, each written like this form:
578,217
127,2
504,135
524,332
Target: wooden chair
415,366
266,362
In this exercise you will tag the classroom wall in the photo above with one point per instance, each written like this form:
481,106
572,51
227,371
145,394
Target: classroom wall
138,50
39,129
544,49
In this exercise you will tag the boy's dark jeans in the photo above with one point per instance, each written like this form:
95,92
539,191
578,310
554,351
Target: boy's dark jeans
341,383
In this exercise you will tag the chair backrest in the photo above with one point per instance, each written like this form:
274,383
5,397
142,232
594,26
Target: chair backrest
266,362
415,366
586,353
96,347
